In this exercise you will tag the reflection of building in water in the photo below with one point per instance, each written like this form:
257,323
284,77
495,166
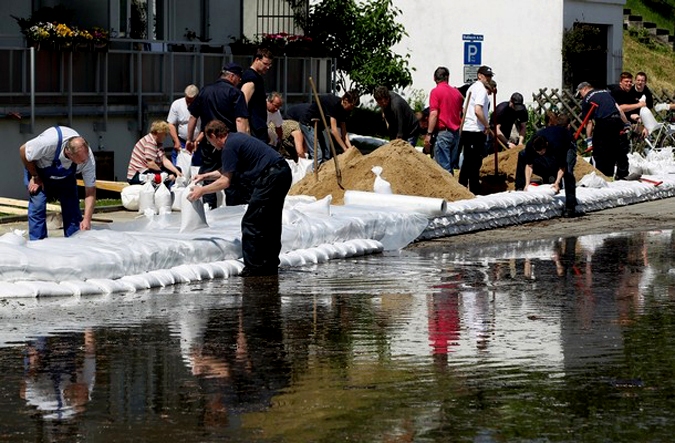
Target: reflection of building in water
60,372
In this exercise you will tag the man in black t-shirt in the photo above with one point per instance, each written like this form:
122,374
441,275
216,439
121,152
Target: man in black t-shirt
625,97
551,154
505,116
253,87
336,110
398,115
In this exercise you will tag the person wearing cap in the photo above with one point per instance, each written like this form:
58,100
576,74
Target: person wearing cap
445,116
605,130
178,119
398,115
475,130
505,116
222,101
253,87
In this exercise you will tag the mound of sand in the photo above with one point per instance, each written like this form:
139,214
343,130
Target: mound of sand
408,171
508,160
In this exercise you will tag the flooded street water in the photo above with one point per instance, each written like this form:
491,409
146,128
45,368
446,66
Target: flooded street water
568,340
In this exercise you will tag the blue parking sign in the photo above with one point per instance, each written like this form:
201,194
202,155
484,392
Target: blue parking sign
472,53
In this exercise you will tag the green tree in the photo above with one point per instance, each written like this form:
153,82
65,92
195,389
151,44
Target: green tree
360,36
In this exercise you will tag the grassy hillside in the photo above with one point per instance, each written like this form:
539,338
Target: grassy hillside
661,12
657,61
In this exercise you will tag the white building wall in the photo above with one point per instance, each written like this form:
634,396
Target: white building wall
522,39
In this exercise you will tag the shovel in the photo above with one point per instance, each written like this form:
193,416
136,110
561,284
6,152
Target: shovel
338,174
497,182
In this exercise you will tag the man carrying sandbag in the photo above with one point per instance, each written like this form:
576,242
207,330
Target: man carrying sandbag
271,177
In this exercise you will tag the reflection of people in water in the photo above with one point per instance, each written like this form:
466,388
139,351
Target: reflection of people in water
241,362
443,315
59,374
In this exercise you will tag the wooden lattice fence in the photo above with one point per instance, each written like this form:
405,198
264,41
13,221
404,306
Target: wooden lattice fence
565,102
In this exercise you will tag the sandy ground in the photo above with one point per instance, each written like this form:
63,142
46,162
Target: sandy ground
654,215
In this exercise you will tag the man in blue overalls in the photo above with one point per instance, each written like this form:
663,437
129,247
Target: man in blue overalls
52,159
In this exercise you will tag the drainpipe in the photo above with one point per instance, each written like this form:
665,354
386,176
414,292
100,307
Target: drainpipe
32,89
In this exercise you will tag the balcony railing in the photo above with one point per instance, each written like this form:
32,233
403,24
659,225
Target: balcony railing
132,77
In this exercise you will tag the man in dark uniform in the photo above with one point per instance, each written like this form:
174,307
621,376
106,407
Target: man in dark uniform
507,114
606,132
398,115
253,87
336,110
552,155
271,179
218,101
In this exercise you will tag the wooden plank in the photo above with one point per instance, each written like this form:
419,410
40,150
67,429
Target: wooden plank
107,185
13,210
24,211
24,204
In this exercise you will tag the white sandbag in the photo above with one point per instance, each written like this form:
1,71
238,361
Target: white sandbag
47,288
424,205
10,290
220,199
16,237
317,207
130,197
146,199
176,201
184,162
592,180
648,120
192,213
381,186
163,199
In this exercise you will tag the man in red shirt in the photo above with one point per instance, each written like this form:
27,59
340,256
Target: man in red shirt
445,116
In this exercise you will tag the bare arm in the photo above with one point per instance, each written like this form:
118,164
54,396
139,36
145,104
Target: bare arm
299,142
223,182
35,182
528,176
242,125
213,175
89,204
173,132
248,89
168,165
192,124
480,115
340,136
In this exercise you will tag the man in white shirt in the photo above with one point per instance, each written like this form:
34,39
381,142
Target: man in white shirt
274,118
475,130
178,119
52,159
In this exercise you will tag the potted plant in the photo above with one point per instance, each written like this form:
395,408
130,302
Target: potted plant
299,46
243,46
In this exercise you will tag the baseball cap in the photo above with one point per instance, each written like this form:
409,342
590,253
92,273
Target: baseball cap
233,68
486,70
517,101
581,86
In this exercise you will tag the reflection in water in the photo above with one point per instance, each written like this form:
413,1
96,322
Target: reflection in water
59,374
502,342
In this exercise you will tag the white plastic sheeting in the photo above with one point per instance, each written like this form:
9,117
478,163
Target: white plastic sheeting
151,251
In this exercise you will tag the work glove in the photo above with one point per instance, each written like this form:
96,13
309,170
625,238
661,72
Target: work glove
660,107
